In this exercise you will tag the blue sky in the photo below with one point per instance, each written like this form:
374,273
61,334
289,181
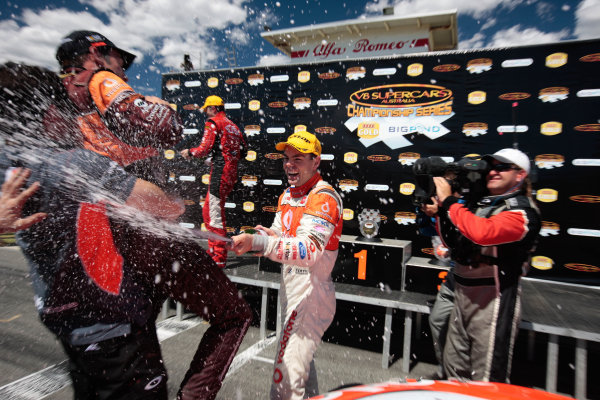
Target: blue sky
159,32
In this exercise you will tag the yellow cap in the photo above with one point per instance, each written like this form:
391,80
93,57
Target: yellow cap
212,101
304,142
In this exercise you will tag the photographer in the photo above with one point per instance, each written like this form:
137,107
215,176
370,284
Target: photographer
490,243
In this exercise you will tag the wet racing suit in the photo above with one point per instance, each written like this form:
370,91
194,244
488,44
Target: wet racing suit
491,248
118,122
309,224
223,142
99,283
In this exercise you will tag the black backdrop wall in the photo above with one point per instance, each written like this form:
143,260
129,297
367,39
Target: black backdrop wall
375,117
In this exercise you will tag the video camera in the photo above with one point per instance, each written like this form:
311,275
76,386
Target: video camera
466,177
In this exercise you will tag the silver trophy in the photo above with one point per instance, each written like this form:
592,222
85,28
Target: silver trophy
368,223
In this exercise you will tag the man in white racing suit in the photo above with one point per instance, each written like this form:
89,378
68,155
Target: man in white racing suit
304,238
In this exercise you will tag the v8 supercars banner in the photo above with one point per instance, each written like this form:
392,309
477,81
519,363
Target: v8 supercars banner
376,117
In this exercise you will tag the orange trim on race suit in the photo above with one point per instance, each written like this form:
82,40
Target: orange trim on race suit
99,256
319,204
105,87
100,139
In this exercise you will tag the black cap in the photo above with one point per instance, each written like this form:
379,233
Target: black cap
79,42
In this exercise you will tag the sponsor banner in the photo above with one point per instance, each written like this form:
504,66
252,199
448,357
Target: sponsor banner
279,78
172,84
212,82
327,102
390,112
407,188
356,73
549,161
542,262
549,228
405,218
587,162
192,84
546,195
479,65
408,158
370,45
348,214
375,117
249,180
474,129
584,232
348,185
251,130
517,63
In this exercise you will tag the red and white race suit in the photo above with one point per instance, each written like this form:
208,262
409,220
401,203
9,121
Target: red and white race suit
309,225
223,142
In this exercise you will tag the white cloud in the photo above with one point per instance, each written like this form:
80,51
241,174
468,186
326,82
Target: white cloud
489,23
514,36
476,42
587,16
202,53
104,6
141,26
273,59
238,36
545,10
33,36
474,8
517,36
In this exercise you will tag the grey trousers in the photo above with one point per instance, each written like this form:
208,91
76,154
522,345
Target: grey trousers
438,319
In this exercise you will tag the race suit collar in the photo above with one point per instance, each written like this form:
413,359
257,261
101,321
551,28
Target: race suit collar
304,189
492,200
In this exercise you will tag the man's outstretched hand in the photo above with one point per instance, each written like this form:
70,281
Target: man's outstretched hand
12,201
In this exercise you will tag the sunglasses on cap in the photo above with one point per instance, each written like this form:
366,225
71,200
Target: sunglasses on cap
501,167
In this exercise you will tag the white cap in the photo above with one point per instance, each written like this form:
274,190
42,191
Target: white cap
512,156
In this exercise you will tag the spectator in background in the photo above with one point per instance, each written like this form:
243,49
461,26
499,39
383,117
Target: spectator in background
490,254
223,145
304,238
